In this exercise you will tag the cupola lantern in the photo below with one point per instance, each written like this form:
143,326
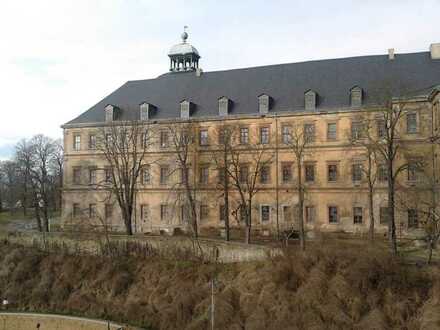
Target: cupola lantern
183,57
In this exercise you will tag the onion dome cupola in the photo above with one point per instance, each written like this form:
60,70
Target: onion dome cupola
183,56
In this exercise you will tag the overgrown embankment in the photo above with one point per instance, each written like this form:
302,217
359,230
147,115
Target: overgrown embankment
342,287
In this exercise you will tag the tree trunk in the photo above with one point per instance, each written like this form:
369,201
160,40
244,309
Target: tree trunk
371,211
302,241
391,220
248,224
226,196
38,217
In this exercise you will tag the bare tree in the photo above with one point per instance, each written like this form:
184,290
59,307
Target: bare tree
298,142
57,165
245,164
182,137
221,156
43,153
362,135
124,146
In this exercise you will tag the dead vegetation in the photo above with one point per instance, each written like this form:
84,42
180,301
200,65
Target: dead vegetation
332,287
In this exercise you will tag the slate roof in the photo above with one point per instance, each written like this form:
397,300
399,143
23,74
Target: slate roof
285,83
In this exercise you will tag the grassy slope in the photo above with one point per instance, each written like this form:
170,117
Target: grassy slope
336,286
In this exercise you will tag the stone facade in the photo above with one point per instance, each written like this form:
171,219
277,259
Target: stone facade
344,196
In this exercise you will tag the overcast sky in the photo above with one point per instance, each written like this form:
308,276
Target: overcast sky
58,58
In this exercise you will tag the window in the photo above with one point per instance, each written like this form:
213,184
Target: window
222,213
244,135
265,213
108,211
286,172
145,212
310,214
223,106
164,172
381,129
108,175
412,172
221,175
76,175
203,174
309,133
92,142
411,123
108,139
164,139
310,172
356,172
332,173
92,176
331,131
146,174
145,139
92,211
356,130
224,136
264,135
242,213
286,133
76,210
184,213
287,213
264,174
204,212
310,100
184,171
263,103
144,111
356,96
332,214
383,215
77,142
164,212
203,137
243,173
413,221
382,173
357,215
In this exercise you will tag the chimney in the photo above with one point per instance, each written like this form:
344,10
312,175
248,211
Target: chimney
391,54
435,51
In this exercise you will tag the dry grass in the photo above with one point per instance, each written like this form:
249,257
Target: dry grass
332,286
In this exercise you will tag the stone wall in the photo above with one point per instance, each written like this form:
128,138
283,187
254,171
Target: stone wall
213,250
27,321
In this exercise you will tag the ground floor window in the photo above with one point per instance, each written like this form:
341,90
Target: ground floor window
265,213
383,215
164,212
413,220
287,213
222,213
108,211
204,212
76,210
92,210
145,212
310,214
357,215
332,214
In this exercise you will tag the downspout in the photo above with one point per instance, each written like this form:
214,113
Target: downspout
276,177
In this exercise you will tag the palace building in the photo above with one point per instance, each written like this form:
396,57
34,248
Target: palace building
326,97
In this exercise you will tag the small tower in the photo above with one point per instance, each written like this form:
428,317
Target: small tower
183,57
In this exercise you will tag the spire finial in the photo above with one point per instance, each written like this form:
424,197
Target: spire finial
184,34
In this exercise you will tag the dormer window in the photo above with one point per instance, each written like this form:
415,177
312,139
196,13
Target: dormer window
356,96
185,109
263,103
146,110
110,111
223,106
310,100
